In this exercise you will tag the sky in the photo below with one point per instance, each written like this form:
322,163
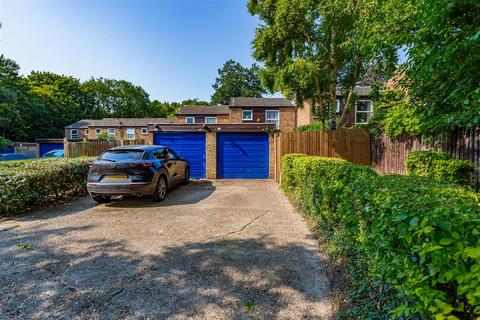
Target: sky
172,48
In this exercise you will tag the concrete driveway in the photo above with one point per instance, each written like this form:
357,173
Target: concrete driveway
227,249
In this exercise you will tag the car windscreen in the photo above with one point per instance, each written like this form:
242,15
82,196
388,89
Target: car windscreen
121,155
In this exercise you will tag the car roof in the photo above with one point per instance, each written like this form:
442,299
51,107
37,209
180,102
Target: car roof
138,147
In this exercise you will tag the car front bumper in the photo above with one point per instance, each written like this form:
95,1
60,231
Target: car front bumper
124,189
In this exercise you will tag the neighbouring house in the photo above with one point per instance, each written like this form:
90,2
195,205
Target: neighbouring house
203,114
277,111
117,128
359,115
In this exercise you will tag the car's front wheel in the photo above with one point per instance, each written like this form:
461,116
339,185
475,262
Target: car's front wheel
161,190
101,199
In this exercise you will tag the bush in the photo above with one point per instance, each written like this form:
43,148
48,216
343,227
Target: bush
410,244
441,166
40,182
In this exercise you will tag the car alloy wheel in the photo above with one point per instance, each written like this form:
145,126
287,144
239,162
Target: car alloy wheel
161,191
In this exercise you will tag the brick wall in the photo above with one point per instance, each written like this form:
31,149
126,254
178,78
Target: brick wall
288,116
222,118
120,133
211,155
271,157
82,134
304,115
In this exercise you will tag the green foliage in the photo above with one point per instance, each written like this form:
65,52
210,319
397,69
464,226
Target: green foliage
28,183
308,47
440,165
443,64
410,244
5,142
115,98
234,80
317,126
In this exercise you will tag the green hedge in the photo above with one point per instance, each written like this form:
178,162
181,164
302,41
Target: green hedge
410,244
37,183
440,165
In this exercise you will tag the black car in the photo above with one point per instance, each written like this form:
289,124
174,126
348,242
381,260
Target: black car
136,170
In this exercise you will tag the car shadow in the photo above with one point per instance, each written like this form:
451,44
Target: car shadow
252,278
194,192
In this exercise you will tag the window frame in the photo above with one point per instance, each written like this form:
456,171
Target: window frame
337,110
189,117
369,113
144,131
98,131
126,133
277,124
77,134
251,115
114,131
206,121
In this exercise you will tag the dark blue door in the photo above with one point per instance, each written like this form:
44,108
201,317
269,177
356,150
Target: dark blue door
45,147
188,145
242,155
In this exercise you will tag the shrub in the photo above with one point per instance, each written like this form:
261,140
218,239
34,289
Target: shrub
410,244
440,165
40,182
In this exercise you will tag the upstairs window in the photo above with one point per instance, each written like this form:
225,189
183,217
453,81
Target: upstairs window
338,106
98,130
211,120
247,115
273,116
111,131
144,130
74,134
190,120
363,111
130,133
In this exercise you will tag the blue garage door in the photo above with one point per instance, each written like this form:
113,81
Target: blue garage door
45,147
188,145
242,155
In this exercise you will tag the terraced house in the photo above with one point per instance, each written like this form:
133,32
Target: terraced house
223,141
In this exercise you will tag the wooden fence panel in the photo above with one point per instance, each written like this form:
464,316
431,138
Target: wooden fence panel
389,154
351,144
94,148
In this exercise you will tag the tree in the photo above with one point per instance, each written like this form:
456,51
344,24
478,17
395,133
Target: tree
115,98
234,80
444,64
309,47
58,102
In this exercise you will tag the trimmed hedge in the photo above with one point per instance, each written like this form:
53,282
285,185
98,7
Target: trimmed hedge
440,165
28,183
410,244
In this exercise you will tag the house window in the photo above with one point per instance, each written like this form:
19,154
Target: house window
86,132
363,111
111,131
190,120
130,134
247,115
98,130
144,130
211,120
74,134
272,116
338,106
